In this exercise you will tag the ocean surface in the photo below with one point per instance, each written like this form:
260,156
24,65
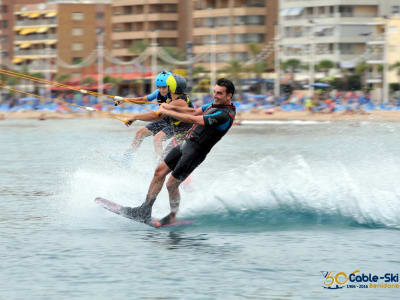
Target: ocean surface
279,210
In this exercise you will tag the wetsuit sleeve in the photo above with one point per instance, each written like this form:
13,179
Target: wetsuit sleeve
205,107
219,119
153,95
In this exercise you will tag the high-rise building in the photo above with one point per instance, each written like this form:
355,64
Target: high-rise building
6,28
58,37
166,22
335,30
232,25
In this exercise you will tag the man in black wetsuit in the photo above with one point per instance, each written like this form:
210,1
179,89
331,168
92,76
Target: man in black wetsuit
210,123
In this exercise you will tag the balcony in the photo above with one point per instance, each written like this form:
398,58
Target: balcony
374,77
41,52
375,59
36,37
28,22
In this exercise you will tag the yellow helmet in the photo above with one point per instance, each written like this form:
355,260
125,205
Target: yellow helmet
176,84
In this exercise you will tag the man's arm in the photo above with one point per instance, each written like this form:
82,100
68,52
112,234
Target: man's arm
143,117
182,108
184,117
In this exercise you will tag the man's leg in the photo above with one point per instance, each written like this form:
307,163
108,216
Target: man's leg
156,184
174,199
141,134
159,138
143,213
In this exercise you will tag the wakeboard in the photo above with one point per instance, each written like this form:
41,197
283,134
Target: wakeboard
122,211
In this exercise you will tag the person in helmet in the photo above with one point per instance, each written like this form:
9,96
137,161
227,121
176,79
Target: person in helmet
210,123
160,129
177,129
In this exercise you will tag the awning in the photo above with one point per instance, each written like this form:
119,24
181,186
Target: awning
17,60
50,42
27,31
322,28
34,15
25,45
42,29
284,12
297,11
51,14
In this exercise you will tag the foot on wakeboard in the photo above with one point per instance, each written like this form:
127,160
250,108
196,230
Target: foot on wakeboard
139,214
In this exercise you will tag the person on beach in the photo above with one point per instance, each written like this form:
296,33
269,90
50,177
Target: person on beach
210,123
177,87
159,128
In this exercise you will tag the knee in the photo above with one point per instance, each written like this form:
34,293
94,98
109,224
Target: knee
172,184
159,137
141,133
160,172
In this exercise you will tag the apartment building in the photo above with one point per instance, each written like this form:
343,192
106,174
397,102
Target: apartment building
383,49
165,22
336,30
57,37
231,25
6,28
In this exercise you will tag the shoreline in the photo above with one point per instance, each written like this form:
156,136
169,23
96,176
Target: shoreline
389,116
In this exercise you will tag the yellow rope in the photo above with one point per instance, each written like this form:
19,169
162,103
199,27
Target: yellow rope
114,116
115,99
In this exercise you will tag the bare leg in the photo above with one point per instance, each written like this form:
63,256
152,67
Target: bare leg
141,134
174,198
143,213
159,138
157,183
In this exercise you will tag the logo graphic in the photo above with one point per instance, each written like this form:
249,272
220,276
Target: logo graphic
339,280
212,121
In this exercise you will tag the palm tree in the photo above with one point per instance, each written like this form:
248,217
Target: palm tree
62,77
138,47
291,66
325,66
396,66
258,67
361,69
234,70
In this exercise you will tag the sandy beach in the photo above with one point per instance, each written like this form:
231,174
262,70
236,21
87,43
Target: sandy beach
391,116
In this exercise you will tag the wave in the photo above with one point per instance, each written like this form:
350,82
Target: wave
282,218
295,192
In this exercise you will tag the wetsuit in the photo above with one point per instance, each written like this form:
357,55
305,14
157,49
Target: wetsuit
184,158
158,125
179,128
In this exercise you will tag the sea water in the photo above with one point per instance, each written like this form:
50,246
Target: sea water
280,211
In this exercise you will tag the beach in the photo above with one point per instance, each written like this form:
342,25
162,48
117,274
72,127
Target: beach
378,115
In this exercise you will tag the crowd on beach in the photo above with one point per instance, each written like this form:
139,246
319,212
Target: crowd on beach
321,102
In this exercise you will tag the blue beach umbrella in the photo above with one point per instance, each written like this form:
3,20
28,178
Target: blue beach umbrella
321,85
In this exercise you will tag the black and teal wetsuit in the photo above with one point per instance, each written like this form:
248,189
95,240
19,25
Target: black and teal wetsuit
184,158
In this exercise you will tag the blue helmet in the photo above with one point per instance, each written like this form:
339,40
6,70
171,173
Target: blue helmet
161,79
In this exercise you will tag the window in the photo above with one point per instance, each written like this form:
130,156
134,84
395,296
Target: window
77,31
4,9
77,16
77,46
223,21
4,24
209,22
77,60
223,39
395,9
346,11
100,15
255,20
